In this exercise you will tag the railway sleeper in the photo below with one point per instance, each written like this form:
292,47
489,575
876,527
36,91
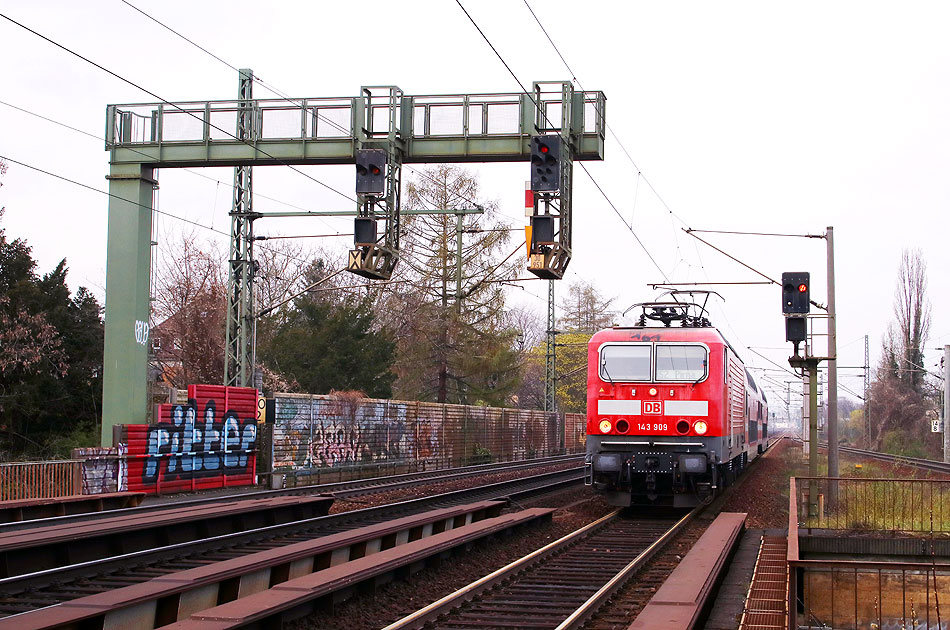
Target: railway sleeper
168,598
30,550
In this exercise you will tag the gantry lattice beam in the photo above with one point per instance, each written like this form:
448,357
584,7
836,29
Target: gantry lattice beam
250,132
463,128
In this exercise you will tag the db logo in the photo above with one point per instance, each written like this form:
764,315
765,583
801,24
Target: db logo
654,407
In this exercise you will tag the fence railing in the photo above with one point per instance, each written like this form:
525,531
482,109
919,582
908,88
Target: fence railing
913,506
40,480
827,593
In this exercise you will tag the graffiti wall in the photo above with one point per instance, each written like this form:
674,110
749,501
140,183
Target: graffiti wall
339,430
208,442
103,469
575,432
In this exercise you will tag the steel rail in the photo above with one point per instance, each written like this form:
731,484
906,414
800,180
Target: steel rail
577,618
341,489
536,559
588,608
440,606
916,462
511,490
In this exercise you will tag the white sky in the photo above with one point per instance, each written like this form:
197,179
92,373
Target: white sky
743,115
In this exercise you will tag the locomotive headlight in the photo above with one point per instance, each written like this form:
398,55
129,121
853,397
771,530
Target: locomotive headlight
700,427
653,391
605,426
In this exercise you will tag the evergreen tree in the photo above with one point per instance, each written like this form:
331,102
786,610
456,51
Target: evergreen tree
50,358
454,342
327,346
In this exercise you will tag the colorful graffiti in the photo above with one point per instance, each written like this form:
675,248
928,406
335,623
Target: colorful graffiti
210,442
103,469
312,432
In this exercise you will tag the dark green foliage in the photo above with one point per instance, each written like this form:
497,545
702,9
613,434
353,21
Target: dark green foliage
325,345
50,358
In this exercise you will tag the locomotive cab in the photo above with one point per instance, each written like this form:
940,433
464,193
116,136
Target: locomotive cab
666,412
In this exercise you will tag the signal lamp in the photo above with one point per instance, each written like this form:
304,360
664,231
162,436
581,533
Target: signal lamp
370,175
700,427
622,426
682,427
653,391
795,298
605,426
546,163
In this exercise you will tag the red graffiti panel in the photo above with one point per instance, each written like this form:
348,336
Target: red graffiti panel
210,442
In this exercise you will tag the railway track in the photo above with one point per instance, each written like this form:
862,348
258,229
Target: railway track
47,588
623,548
915,462
924,464
558,586
343,489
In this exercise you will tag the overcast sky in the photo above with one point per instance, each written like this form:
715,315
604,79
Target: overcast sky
752,116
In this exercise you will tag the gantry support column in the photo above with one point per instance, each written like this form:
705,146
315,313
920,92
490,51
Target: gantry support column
239,334
128,272
550,357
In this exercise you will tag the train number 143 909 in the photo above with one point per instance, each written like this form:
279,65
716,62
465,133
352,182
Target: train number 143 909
651,427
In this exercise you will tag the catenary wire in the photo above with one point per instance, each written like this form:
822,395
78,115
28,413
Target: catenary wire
187,170
166,102
135,203
283,95
581,164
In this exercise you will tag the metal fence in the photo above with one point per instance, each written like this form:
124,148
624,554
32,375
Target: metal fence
869,517
893,505
40,480
329,438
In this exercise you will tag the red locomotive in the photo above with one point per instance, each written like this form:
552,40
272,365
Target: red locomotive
672,413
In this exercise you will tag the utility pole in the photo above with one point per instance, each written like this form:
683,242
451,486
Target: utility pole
946,402
458,262
240,342
867,395
806,416
550,376
832,362
809,365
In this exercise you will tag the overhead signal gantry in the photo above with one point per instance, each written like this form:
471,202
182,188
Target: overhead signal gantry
380,127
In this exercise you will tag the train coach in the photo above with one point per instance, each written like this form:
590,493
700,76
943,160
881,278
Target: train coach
672,413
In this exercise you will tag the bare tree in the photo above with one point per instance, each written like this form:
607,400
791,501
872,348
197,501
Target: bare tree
912,311
585,309
900,393
189,306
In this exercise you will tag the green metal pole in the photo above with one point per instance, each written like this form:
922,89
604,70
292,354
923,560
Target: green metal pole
813,436
550,358
458,262
128,271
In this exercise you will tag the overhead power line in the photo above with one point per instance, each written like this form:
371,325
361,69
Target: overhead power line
187,170
170,104
257,79
583,167
140,205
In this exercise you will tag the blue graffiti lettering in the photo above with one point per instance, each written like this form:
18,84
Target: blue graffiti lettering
220,447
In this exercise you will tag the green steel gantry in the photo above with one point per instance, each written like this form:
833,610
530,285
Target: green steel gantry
251,132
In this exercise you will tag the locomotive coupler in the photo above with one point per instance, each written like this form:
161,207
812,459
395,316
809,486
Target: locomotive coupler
651,485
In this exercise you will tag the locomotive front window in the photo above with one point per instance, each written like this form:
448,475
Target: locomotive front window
680,363
627,363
